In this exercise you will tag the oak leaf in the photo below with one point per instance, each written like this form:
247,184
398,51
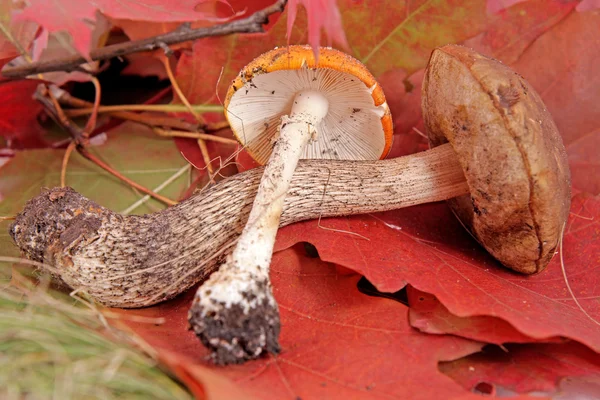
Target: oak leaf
336,342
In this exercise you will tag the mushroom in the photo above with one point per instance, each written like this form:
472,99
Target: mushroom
495,152
283,106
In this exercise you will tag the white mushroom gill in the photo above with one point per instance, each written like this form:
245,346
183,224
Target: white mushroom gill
350,131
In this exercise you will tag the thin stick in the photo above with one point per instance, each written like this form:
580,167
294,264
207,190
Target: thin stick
179,92
414,128
251,24
193,135
145,119
8,34
149,107
66,98
65,161
91,123
184,100
206,158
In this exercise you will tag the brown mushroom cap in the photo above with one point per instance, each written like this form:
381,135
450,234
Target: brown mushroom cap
510,150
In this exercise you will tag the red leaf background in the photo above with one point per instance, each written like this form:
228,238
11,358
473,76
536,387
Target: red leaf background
337,342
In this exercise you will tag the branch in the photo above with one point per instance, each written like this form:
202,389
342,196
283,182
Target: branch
252,24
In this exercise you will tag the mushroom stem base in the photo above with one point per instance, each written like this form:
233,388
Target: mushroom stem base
239,331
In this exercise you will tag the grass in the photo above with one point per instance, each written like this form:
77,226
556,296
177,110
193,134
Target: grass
54,347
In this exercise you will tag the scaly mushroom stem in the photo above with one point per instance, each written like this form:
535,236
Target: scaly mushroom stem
137,261
234,312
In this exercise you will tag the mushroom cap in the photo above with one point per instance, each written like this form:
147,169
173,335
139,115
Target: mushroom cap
510,150
358,125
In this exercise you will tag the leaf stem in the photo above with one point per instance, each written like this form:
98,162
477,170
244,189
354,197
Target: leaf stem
179,93
150,120
148,107
65,162
193,135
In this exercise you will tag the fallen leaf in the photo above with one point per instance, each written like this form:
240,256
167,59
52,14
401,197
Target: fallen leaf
203,382
142,64
405,34
428,315
403,95
22,32
30,171
562,66
588,5
495,6
511,31
19,124
543,365
427,247
322,15
78,18
584,162
230,10
394,32
336,342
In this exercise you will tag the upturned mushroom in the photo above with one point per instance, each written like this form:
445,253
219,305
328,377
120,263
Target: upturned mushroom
285,105
496,153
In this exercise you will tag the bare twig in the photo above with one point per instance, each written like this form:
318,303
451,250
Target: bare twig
251,24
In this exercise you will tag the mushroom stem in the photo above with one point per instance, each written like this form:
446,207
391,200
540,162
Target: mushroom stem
136,261
234,312
255,245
